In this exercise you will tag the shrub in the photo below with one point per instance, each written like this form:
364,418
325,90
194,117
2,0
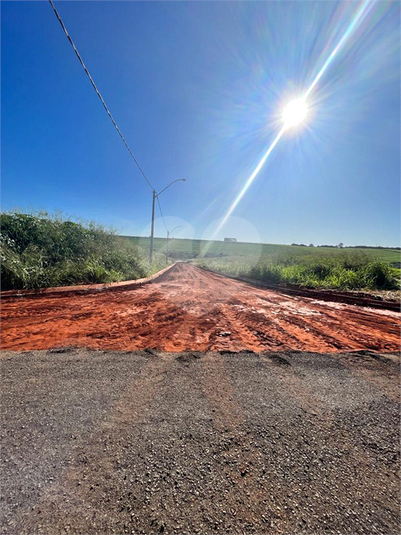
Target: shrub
41,250
379,275
341,271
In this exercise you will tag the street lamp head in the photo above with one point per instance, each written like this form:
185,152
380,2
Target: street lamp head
169,232
171,183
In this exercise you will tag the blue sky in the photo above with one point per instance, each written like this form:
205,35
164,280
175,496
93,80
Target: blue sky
197,89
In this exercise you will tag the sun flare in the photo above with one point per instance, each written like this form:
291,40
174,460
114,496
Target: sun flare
295,112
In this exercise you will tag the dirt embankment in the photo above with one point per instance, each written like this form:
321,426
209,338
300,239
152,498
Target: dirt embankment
188,308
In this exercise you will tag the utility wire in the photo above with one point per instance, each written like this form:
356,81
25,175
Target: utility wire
161,213
99,95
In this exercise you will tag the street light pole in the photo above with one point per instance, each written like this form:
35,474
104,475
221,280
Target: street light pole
152,228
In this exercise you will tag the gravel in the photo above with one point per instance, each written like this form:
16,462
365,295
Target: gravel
101,442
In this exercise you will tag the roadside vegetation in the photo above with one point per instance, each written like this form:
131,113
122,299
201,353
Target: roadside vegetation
326,267
342,271
40,250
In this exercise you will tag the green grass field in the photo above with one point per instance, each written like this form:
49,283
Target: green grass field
183,249
345,268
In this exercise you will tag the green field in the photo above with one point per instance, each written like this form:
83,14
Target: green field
183,249
345,268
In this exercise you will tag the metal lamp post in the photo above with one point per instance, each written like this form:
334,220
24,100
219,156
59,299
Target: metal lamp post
155,195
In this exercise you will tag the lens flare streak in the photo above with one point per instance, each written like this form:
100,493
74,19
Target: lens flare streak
359,16
250,179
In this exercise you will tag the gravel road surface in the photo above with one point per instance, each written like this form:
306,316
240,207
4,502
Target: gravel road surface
188,308
101,442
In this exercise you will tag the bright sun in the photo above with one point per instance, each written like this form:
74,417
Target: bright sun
295,112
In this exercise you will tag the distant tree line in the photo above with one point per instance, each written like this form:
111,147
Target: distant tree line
341,245
372,247
311,245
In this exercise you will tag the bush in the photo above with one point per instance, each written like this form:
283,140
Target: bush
379,275
342,271
40,250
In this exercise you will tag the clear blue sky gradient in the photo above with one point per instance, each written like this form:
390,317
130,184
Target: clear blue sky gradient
197,89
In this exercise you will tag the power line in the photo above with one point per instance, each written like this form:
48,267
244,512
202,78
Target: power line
161,213
98,94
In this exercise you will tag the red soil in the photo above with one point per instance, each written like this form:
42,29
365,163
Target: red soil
188,308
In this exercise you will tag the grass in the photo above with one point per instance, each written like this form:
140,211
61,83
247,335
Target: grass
40,250
185,249
314,267
347,271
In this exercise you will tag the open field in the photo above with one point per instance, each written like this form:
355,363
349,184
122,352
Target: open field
184,249
311,267
98,442
188,308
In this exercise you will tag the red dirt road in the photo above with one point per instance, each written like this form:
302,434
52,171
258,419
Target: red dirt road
188,308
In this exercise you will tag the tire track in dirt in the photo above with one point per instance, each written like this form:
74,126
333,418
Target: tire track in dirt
172,314
292,332
249,333
306,315
255,323
302,326
312,325
225,335
349,340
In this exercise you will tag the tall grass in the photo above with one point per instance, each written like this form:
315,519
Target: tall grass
348,271
40,250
